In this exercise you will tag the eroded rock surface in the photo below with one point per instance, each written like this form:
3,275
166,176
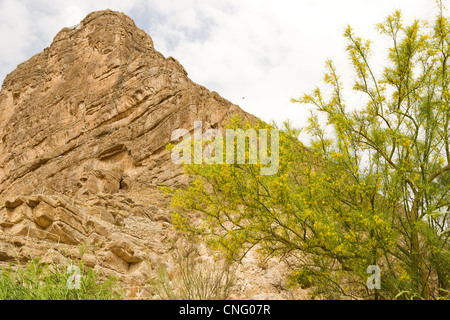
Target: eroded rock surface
83,132
96,108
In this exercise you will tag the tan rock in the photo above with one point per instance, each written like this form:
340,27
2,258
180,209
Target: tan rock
4,218
95,117
7,252
63,233
53,256
44,214
20,213
83,130
124,250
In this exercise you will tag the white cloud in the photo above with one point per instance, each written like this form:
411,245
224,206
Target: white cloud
73,15
15,37
269,52
265,51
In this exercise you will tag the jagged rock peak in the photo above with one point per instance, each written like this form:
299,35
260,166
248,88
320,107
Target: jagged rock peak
119,29
83,130
97,106
105,30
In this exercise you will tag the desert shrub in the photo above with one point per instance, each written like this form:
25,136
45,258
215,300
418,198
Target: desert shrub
371,189
192,279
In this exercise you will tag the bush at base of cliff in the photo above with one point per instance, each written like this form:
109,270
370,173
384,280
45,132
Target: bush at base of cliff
52,282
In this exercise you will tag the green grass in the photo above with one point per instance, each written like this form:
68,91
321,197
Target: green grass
38,281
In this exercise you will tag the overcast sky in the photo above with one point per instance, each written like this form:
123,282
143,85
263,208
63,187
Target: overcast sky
256,53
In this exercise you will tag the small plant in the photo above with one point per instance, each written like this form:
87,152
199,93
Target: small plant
55,282
97,245
84,247
194,280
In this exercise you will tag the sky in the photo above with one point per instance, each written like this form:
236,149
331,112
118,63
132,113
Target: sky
256,53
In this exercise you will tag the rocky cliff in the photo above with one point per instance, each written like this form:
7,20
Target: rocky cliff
83,130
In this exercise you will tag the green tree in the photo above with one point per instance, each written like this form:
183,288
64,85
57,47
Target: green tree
373,189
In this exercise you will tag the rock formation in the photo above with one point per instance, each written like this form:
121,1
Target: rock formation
83,132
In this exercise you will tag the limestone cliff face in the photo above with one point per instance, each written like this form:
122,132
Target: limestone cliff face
83,130
96,108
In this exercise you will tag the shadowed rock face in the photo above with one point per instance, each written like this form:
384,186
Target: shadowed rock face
83,130
97,106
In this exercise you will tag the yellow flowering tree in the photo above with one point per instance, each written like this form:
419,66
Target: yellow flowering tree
372,190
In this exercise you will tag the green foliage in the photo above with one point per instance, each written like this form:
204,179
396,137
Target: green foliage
53,282
373,189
